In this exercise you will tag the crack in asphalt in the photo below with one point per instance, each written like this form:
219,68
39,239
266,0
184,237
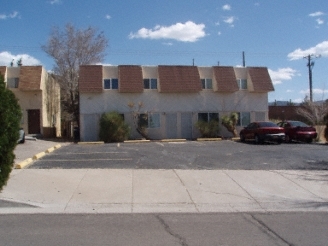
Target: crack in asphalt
168,229
264,227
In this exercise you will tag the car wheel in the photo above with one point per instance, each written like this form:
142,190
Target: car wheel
242,138
257,139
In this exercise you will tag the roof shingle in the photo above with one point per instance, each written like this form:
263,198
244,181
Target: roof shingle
260,79
90,78
225,78
179,79
30,78
130,78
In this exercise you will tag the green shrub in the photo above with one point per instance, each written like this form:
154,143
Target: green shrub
113,128
208,129
10,116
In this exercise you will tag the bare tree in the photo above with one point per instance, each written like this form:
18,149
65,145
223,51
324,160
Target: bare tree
314,112
70,48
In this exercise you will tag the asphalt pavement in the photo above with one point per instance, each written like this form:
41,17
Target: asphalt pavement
133,190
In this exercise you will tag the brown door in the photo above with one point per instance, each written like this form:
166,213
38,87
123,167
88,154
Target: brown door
33,118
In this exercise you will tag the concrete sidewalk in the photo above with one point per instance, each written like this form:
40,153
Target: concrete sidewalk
161,191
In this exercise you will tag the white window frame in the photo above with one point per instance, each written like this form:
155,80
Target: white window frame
110,84
242,84
207,83
151,87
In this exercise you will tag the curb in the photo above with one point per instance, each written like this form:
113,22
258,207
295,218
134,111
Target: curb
28,161
96,142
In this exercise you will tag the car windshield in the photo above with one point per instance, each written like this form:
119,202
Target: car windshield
297,123
267,124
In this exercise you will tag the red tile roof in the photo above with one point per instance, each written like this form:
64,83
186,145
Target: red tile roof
226,79
30,78
179,79
90,78
3,70
260,79
130,78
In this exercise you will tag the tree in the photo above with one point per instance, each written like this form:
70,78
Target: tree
10,116
314,112
230,122
70,48
140,120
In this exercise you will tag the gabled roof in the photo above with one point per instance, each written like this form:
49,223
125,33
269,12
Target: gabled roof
260,78
225,78
179,79
130,78
90,78
30,78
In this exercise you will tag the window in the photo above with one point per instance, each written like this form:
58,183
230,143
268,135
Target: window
242,84
207,117
244,118
150,84
151,120
111,84
13,82
206,83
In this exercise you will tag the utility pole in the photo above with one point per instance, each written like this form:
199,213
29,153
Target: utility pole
310,65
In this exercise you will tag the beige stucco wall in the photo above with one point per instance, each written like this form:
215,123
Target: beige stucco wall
92,105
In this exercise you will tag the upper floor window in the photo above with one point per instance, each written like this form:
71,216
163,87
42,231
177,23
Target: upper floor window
150,84
207,83
111,84
242,84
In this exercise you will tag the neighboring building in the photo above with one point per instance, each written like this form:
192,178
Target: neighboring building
173,97
38,95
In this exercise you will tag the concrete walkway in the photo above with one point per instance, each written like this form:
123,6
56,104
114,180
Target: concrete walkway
161,191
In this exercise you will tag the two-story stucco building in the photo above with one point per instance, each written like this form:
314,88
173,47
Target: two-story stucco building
173,97
38,95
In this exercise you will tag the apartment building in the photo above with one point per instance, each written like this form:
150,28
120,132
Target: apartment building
174,98
38,95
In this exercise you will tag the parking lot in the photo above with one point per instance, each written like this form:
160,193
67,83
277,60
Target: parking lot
197,155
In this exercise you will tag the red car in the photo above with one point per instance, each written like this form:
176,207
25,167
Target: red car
263,131
299,131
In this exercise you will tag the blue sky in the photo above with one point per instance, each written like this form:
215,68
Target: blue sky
276,34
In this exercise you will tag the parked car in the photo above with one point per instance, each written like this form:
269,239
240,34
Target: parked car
299,131
263,131
21,138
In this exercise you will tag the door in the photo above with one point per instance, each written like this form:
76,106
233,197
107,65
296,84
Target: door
171,125
186,125
33,120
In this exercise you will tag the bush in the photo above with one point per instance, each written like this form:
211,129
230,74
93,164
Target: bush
113,128
10,116
208,129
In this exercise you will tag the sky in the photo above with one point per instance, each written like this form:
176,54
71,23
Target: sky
276,34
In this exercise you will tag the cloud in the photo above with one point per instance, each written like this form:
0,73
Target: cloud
10,16
316,14
319,49
282,74
314,91
226,7
320,21
230,20
6,58
55,2
108,17
184,32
